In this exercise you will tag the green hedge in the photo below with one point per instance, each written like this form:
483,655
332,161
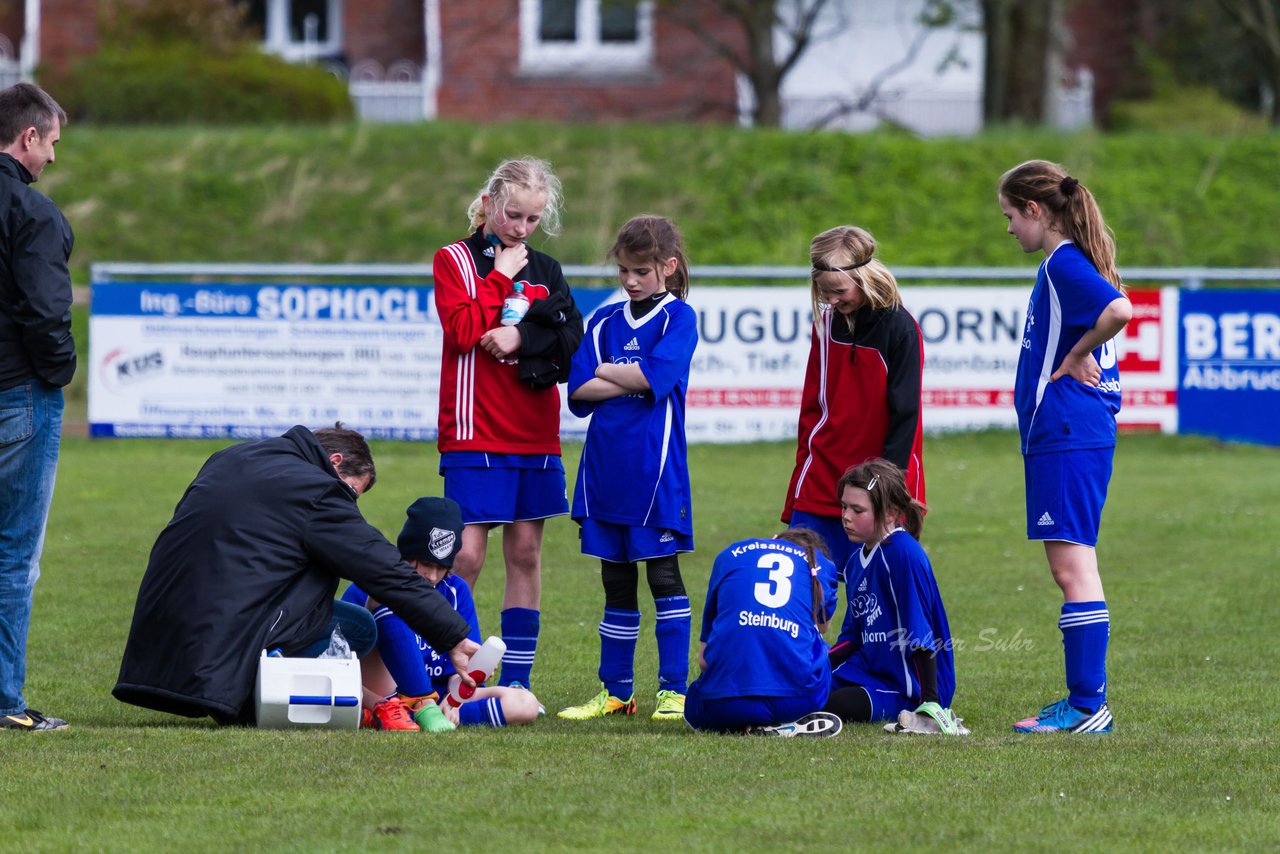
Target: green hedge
183,83
394,194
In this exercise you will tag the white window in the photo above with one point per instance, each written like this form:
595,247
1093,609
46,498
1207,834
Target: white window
585,37
301,30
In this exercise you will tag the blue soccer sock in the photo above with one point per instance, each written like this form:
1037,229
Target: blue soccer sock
619,631
486,712
520,633
1085,626
672,630
398,646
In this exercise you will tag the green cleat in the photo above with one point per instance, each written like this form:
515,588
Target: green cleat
670,706
431,719
600,705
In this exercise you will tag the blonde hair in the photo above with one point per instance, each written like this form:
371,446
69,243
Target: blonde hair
525,173
850,251
1070,208
655,239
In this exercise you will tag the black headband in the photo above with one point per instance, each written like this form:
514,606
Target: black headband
823,268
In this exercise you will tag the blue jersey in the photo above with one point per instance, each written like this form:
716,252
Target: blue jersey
1066,302
758,624
895,607
634,468
456,593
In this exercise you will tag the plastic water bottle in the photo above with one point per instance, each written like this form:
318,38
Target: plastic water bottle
483,663
515,306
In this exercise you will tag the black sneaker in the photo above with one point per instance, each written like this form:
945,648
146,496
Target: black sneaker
31,721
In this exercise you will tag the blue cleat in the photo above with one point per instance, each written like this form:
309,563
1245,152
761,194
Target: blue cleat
1064,717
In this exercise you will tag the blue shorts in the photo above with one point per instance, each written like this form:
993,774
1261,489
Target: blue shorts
885,704
832,532
623,543
734,714
1065,494
501,494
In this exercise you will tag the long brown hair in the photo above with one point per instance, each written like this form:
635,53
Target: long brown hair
812,544
1070,207
887,487
655,239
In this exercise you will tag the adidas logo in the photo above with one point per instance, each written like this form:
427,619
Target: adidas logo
633,344
488,252
1045,519
666,537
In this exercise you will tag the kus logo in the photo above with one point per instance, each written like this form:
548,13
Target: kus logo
868,606
121,368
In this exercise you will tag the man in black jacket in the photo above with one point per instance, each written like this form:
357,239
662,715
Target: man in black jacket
37,358
251,561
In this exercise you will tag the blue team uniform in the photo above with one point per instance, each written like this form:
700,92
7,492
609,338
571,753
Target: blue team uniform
1065,496
1066,302
894,607
438,667
766,661
634,470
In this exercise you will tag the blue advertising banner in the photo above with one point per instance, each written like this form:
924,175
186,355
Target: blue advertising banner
1229,365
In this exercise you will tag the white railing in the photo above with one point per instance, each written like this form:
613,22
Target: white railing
605,276
397,94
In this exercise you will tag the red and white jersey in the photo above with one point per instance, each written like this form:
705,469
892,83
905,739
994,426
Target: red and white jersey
483,404
861,400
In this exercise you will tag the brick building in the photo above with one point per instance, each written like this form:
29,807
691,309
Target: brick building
503,59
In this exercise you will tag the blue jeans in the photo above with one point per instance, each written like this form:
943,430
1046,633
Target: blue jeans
357,625
30,434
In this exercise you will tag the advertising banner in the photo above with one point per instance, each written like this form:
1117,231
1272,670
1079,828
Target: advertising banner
250,360
1229,365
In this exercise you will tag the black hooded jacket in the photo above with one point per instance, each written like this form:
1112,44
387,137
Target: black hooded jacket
251,561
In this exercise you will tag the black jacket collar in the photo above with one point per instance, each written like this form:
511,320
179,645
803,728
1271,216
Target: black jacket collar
10,166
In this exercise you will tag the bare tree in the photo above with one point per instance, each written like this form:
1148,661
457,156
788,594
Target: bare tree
1024,40
1260,21
774,35
753,55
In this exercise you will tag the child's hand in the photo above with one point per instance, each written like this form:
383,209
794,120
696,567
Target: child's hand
502,342
1084,369
510,260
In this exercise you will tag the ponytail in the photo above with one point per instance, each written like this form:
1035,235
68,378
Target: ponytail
812,544
887,488
1070,208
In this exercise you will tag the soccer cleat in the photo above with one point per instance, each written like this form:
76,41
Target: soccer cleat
393,714
598,706
928,719
812,725
31,721
670,706
430,718
1064,717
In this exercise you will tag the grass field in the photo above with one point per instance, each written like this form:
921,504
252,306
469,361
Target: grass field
1188,555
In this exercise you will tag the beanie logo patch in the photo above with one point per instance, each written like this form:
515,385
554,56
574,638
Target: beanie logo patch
441,543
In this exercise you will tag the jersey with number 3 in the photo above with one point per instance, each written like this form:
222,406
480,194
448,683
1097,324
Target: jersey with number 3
758,624
1065,414
634,468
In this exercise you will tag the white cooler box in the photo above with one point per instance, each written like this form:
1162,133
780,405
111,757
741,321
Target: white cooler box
308,692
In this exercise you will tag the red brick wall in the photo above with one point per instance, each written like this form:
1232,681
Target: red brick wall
1105,37
68,31
481,79
383,30
11,24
